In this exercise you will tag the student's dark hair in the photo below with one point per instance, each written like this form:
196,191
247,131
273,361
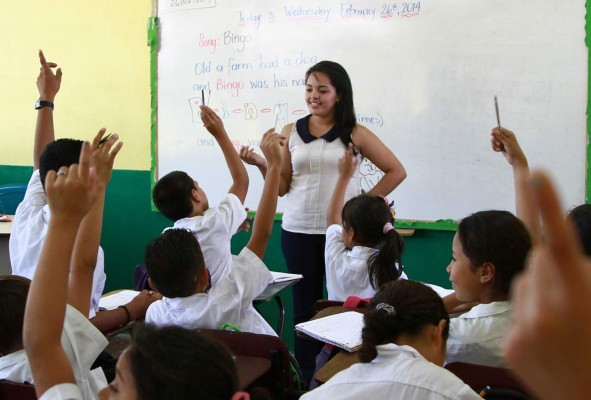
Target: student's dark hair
173,261
413,306
345,119
368,214
171,362
13,297
581,218
59,153
172,195
500,238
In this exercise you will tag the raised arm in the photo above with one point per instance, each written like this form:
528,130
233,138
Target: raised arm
48,84
213,123
550,329
84,255
248,155
347,167
376,151
263,222
70,194
505,142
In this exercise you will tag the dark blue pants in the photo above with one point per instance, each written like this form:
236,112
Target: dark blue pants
304,254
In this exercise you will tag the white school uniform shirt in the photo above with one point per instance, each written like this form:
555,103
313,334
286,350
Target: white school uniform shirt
476,336
228,301
214,230
346,270
314,163
28,234
398,372
63,391
82,343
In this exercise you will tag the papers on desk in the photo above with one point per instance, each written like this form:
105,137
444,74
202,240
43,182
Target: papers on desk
441,291
112,301
284,276
342,330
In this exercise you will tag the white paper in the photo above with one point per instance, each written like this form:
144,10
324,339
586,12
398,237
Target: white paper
342,330
112,301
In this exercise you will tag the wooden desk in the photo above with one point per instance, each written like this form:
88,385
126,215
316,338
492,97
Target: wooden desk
250,369
5,230
272,292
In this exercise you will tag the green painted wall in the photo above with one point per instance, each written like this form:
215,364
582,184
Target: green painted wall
130,223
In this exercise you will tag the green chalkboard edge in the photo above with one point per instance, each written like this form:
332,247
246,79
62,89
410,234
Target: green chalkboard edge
587,42
439,225
153,44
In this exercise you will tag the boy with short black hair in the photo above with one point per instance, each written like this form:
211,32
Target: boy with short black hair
182,200
176,267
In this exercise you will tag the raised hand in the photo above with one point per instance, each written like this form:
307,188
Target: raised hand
271,147
104,151
48,82
549,335
504,141
248,155
348,163
212,122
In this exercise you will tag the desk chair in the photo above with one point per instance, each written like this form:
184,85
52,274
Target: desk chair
10,197
276,377
16,391
503,384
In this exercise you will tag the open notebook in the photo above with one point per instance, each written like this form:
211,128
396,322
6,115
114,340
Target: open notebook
342,330
112,301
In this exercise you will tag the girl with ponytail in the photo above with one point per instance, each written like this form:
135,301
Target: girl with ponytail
405,331
363,250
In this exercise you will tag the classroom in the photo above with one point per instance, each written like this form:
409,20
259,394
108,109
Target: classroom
107,53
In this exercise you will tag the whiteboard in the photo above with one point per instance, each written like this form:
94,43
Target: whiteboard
424,76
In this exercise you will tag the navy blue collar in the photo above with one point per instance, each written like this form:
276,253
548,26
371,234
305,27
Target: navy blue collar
307,137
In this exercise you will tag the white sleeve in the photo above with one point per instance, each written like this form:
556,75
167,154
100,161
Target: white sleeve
251,276
232,213
62,391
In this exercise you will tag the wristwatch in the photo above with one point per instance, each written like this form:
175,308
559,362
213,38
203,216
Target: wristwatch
43,103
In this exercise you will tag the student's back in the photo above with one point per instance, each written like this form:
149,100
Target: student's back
182,200
363,250
402,353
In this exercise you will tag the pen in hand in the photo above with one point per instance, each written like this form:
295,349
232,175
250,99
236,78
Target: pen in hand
103,140
497,111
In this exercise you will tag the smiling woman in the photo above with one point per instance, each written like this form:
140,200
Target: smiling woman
310,171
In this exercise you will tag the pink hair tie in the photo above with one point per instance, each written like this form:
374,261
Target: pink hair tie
387,227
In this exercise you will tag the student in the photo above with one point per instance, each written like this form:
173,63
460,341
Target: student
363,250
403,349
33,214
177,268
162,363
81,345
547,345
183,201
489,249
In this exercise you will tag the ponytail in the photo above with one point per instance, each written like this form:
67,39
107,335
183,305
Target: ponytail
385,265
372,220
400,307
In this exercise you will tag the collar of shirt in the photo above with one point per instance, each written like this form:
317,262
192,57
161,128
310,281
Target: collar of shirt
487,310
307,137
180,303
390,350
361,252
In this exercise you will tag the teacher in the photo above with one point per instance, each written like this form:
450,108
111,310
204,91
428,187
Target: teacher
310,171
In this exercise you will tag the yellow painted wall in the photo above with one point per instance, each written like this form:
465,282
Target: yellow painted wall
101,48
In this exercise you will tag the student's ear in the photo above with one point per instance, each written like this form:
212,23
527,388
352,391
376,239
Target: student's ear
151,285
202,279
195,195
350,234
438,342
487,272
